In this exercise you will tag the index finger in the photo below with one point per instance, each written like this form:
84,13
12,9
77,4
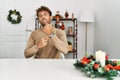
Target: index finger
46,38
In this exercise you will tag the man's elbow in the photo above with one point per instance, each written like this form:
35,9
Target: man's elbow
26,54
65,50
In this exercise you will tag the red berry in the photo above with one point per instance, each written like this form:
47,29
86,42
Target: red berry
106,57
96,66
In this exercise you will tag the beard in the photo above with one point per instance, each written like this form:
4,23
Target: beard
45,21
42,24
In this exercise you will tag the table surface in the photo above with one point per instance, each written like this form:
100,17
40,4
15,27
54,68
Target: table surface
41,69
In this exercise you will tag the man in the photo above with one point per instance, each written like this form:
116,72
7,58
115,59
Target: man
48,41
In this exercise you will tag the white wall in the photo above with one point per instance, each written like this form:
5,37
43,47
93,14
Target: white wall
12,37
73,6
107,27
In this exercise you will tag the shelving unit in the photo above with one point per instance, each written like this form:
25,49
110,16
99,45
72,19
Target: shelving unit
73,37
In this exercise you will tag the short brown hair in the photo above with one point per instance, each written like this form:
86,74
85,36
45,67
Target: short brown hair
44,8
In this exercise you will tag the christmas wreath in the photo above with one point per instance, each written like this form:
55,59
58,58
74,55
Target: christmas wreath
93,68
14,17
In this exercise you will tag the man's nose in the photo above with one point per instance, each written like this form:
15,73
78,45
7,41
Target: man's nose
43,17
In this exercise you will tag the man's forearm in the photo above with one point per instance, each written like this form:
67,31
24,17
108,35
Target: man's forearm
60,45
29,52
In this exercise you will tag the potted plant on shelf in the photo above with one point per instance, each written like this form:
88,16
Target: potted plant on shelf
70,47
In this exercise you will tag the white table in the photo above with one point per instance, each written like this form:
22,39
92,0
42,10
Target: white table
41,69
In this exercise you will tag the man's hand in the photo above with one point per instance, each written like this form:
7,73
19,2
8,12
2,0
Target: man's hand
42,42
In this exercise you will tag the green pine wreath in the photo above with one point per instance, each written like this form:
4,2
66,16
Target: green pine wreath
11,19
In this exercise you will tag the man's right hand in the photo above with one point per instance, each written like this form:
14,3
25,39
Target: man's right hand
42,42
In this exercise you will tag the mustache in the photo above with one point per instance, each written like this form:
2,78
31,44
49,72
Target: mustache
44,19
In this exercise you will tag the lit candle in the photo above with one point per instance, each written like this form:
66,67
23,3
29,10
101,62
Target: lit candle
100,56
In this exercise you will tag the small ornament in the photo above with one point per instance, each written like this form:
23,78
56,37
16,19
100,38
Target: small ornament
58,24
72,16
62,26
66,14
57,15
70,31
57,20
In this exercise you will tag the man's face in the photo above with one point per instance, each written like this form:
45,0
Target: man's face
44,18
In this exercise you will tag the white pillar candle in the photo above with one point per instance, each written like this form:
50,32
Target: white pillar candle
100,56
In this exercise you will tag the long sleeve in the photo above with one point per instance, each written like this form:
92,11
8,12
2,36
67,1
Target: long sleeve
61,42
31,48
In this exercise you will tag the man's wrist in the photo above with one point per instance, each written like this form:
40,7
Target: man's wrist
36,48
51,35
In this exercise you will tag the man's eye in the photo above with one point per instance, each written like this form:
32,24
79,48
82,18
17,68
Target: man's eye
40,15
45,14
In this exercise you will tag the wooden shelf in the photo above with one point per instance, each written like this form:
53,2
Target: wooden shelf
73,51
71,35
65,19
